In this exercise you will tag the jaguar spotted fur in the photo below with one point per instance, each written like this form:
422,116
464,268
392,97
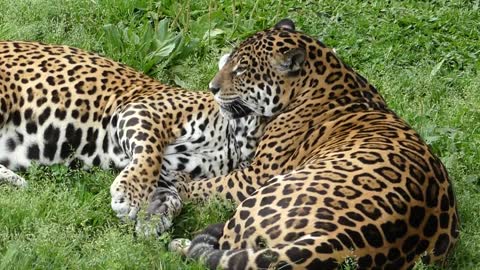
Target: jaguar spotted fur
337,173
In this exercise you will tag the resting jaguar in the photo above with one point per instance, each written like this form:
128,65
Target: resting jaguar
63,105
337,174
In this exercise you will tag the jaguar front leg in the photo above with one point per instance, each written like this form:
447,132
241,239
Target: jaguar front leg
8,176
235,186
132,187
143,140
141,187
164,205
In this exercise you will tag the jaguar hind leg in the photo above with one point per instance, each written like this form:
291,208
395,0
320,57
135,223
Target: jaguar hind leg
9,177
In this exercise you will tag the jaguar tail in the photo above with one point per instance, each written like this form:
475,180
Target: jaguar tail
205,247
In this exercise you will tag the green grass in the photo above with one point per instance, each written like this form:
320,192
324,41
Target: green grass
422,56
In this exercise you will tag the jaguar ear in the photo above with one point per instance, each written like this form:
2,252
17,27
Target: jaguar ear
223,60
290,61
285,24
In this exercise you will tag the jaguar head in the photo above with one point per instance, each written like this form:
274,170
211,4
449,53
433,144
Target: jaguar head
257,77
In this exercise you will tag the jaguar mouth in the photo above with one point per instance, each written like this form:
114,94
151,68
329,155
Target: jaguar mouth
235,109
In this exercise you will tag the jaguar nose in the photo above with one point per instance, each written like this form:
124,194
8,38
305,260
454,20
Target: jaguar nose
214,89
214,86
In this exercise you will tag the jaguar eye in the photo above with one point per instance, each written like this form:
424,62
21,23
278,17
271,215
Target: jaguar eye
239,71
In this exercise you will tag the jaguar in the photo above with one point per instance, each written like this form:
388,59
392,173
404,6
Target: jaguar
60,104
336,175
